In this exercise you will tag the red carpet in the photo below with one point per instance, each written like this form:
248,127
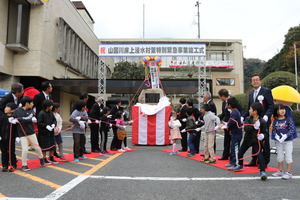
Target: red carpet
221,163
35,163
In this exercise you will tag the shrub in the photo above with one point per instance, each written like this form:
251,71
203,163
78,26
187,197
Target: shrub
279,78
242,99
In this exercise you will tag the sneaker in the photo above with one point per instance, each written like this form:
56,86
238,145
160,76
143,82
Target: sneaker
64,159
190,155
104,152
121,150
53,161
236,168
278,174
25,168
42,162
204,159
211,161
263,175
56,155
228,165
46,162
172,153
287,176
127,148
177,152
76,160
11,169
83,157
4,169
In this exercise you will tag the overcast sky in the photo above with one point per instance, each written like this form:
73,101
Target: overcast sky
260,24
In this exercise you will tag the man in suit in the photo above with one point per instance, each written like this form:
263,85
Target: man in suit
115,109
17,90
264,96
38,99
225,116
181,115
95,114
207,98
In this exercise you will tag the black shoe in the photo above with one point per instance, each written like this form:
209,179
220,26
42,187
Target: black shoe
5,169
251,164
42,162
11,169
96,151
86,152
202,155
182,150
56,155
52,160
25,168
222,158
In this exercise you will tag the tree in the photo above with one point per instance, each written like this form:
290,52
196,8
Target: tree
128,70
279,78
251,66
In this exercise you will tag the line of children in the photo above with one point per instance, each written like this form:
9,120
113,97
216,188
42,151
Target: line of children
175,135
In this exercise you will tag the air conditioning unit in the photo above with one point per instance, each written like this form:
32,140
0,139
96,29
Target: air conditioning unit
35,2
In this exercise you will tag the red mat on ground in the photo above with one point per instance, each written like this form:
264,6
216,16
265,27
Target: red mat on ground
221,163
35,163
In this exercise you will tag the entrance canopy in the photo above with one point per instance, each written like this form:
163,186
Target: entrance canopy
121,86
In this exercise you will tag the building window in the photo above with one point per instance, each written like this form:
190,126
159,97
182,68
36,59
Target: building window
218,56
225,81
75,53
18,23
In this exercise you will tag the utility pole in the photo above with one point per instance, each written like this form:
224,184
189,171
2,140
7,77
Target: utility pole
197,5
296,69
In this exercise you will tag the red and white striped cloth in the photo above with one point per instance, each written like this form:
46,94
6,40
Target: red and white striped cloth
151,129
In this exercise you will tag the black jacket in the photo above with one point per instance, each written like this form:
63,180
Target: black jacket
5,130
38,101
25,119
45,118
7,99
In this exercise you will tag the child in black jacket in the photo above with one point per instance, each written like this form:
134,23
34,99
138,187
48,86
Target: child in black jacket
8,134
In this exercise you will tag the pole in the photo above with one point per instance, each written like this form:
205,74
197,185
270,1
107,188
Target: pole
197,4
296,69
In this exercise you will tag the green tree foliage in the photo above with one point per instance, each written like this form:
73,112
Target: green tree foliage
279,78
284,60
251,66
128,70
242,99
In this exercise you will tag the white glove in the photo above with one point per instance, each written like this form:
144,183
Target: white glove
184,120
109,116
196,122
124,127
12,120
183,131
49,128
89,121
130,122
110,125
260,136
97,122
34,120
277,137
257,125
229,110
82,124
0,138
266,118
198,129
18,139
53,126
283,137
242,119
224,126
216,128
78,118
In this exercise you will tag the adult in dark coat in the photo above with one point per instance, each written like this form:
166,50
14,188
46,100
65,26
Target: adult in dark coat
264,96
95,115
181,115
39,98
225,116
113,111
17,90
